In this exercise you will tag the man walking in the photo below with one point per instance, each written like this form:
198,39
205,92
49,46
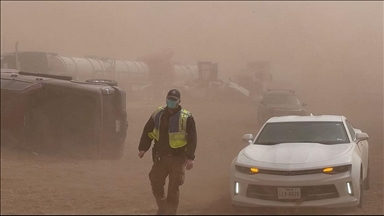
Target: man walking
174,132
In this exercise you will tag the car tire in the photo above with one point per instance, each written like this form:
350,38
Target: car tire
106,81
361,182
366,181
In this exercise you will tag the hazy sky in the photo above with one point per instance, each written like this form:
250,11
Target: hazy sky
231,33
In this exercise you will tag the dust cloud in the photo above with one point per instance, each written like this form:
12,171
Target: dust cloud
330,52
330,48
231,33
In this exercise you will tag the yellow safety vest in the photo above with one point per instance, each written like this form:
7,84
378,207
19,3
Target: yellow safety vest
177,127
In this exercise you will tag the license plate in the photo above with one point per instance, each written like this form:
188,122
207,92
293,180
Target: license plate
288,193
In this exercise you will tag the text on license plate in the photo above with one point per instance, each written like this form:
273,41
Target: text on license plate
288,193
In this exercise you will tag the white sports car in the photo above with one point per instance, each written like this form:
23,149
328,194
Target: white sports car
301,161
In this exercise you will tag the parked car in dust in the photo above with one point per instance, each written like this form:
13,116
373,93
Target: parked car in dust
279,102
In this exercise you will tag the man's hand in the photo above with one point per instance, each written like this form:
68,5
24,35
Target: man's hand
188,164
141,154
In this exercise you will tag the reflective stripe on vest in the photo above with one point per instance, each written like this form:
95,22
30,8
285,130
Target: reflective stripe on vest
177,127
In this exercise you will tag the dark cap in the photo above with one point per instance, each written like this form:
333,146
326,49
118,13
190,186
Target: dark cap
174,93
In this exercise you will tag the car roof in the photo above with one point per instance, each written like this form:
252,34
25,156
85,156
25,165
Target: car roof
319,118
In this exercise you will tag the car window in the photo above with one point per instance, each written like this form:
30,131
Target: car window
351,131
304,132
281,99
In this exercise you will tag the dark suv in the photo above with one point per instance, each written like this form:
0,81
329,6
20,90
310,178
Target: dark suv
45,113
279,102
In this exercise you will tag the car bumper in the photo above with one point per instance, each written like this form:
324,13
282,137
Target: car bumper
336,186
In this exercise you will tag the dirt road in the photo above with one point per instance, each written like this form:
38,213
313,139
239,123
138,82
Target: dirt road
45,184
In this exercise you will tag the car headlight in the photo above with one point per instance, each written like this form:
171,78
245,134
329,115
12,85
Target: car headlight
246,170
337,169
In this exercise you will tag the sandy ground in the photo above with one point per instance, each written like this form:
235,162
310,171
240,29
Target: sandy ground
43,184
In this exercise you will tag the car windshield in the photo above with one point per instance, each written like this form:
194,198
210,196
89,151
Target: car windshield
281,99
303,132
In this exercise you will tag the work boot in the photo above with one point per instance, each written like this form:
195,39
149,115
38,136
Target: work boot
162,206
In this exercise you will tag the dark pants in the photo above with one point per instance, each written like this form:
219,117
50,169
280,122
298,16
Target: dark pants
171,166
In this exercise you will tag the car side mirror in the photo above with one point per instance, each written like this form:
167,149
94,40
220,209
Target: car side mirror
304,104
248,138
361,137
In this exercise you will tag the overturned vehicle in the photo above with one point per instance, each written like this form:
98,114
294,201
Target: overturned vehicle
55,114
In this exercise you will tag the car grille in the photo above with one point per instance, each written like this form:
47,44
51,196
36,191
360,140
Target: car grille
308,193
291,173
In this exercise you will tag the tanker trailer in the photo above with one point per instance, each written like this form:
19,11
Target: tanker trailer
133,77
80,68
131,72
184,73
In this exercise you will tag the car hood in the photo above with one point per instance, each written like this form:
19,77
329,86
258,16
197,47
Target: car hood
285,106
295,153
